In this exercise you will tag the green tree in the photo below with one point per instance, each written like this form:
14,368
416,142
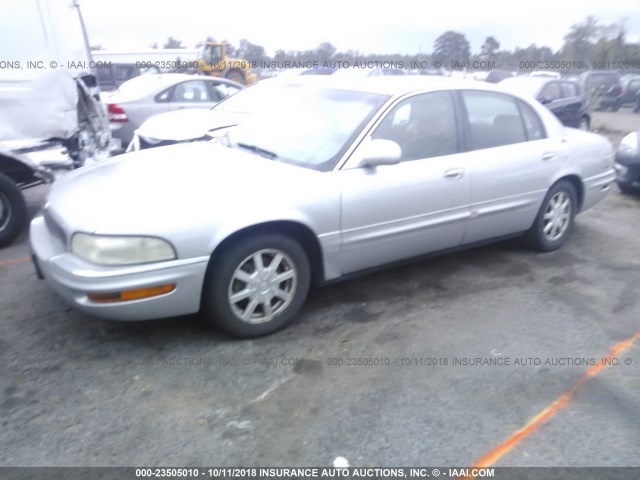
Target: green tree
451,47
489,48
324,52
578,42
173,43
251,52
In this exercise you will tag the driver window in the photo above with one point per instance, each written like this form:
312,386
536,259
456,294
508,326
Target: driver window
423,126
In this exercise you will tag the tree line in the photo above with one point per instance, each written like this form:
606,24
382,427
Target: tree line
587,44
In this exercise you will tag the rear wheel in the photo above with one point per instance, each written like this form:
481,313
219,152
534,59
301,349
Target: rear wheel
554,222
13,210
257,286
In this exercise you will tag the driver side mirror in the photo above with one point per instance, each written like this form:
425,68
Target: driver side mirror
546,99
378,152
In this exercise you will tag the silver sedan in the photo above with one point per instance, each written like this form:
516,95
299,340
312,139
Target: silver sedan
344,176
141,97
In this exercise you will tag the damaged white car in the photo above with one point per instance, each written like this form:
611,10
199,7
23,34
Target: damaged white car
51,116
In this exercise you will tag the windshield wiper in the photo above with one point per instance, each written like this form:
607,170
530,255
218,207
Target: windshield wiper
260,151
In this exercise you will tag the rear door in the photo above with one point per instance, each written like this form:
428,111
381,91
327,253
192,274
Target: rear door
510,162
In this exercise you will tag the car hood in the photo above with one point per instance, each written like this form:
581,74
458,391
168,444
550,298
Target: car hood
187,124
189,189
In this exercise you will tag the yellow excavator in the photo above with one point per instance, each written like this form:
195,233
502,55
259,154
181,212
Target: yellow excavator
213,61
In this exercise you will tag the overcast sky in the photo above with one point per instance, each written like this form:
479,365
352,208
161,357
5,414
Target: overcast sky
401,26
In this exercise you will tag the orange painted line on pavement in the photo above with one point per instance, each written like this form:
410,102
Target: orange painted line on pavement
4,263
532,425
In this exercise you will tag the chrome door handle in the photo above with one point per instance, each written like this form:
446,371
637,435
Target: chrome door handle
549,156
454,173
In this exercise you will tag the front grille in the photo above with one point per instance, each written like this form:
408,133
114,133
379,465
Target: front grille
54,227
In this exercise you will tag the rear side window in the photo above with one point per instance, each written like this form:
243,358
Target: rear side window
191,91
494,119
532,123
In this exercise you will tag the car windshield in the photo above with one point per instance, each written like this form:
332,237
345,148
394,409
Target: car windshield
305,126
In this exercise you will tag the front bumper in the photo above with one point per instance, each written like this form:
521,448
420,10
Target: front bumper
73,279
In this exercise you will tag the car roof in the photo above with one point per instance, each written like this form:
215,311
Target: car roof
391,85
152,84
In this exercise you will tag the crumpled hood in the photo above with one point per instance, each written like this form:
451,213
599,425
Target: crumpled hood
170,190
187,124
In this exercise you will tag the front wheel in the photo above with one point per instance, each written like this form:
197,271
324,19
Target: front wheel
257,286
13,210
554,222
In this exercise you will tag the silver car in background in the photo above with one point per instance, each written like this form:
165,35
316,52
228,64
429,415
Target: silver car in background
344,176
193,124
141,97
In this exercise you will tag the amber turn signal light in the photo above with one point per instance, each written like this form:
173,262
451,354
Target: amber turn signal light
128,295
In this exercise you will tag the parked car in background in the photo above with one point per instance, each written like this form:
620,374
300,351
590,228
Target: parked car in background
563,97
369,72
602,89
195,124
546,74
496,76
630,92
147,95
628,163
345,175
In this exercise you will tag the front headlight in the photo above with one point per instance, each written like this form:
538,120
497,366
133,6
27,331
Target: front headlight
111,250
629,145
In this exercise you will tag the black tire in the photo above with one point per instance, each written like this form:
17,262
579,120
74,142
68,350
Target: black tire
13,210
222,282
616,106
636,108
536,237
